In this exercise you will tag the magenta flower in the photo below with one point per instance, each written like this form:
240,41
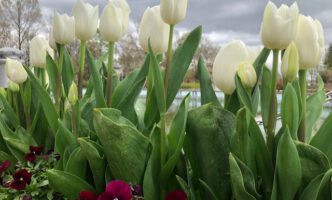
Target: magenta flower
5,165
31,156
22,178
176,195
87,195
118,189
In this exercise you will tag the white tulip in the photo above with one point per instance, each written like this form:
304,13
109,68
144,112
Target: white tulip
247,74
38,49
12,86
86,20
173,11
290,63
15,71
154,28
227,63
51,41
63,29
279,25
310,42
114,20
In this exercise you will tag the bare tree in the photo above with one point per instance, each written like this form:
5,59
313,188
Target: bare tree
24,19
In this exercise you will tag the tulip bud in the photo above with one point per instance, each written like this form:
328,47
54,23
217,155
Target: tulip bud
38,49
12,86
227,63
73,94
279,25
173,11
152,27
114,20
15,71
63,28
310,42
247,74
290,63
86,20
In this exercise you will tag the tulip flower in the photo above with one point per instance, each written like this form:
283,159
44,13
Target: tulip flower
310,42
38,49
15,71
51,41
14,87
173,11
279,25
247,74
227,62
114,20
86,20
290,63
63,29
152,27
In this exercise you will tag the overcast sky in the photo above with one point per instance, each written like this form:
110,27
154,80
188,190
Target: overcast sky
222,20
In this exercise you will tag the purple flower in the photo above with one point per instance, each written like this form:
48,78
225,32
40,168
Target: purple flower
118,189
22,178
5,165
176,195
87,195
31,156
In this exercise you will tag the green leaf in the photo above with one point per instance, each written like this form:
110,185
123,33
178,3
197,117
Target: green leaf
176,139
243,95
67,71
67,184
255,100
240,181
126,149
289,110
76,163
9,112
311,191
322,139
207,146
260,61
64,139
52,72
208,189
151,183
93,152
288,173
46,102
128,90
158,81
265,94
181,60
207,93
97,83
4,156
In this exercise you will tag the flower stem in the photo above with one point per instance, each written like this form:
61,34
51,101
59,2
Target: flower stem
303,85
81,69
74,121
273,102
109,90
59,81
163,148
169,57
17,108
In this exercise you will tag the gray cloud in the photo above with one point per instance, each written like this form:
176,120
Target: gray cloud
222,20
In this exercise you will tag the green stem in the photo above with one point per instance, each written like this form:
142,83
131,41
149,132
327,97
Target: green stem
81,69
110,74
74,121
17,108
58,91
169,57
273,102
163,149
303,86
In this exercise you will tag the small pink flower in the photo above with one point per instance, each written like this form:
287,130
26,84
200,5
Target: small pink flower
118,189
87,195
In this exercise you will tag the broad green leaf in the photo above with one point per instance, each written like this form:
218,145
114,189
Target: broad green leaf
256,95
126,149
207,146
93,152
67,71
322,139
238,179
176,139
151,182
242,93
288,172
64,139
76,163
67,184
260,61
52,72
311,191
46,102
4,156
313,162
181,60
9,112
265,94
97,82
208,189
289,110
207,93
